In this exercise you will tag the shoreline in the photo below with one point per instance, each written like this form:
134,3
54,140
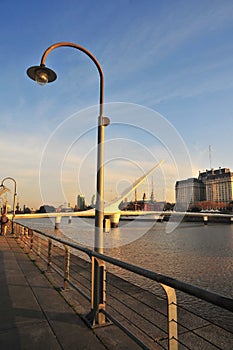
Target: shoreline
186,218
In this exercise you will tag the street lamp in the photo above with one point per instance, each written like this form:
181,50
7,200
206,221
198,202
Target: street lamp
14,197
43,75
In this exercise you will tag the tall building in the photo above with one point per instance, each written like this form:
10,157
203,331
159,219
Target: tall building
218,184
189,191
81,202
211,185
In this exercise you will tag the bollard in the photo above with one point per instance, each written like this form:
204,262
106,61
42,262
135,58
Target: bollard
57,222
69,220
205,218
115,219
107,225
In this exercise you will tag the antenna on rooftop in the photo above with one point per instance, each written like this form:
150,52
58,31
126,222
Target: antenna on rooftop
210,157
152,190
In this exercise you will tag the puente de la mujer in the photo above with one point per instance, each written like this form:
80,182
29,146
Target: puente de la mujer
113,213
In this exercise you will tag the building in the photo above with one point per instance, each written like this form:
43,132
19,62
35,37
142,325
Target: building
189,192
218,185
81,202
212,186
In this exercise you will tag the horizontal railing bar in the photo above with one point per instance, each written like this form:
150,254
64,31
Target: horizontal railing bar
216,299
61,274
211,297
125,330
122,290
181,307
136,312
193,331
79,290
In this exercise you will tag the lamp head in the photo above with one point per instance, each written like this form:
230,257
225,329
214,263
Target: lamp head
3,189
41,74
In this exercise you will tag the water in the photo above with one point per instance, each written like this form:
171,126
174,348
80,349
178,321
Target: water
194,253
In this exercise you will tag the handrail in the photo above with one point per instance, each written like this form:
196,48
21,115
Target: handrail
145,326
211,297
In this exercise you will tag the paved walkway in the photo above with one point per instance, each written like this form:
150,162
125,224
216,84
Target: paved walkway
33,315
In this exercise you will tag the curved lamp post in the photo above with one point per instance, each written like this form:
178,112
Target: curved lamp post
14,197
42,75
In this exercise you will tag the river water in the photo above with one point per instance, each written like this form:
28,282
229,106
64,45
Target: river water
194,253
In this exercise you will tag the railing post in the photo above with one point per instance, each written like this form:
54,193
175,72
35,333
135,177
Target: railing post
66,266
171,317
21,234
13,228
25,233
49,254
98,295
18,231
38,245
30,231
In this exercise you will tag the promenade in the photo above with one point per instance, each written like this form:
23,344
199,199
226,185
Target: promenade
36,311
35,316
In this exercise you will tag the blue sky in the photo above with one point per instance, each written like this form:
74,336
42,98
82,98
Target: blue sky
170,57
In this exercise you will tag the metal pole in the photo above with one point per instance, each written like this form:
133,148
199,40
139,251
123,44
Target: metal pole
98,276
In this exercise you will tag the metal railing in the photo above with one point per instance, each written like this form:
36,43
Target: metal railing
153,320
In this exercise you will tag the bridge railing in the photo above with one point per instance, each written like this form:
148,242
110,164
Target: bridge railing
153,317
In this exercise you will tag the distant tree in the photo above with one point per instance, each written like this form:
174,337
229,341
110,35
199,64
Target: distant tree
229,207
195,209
46,209
168,206
27,210
88,207
122,205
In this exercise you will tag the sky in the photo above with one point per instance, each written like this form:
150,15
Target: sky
168,92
